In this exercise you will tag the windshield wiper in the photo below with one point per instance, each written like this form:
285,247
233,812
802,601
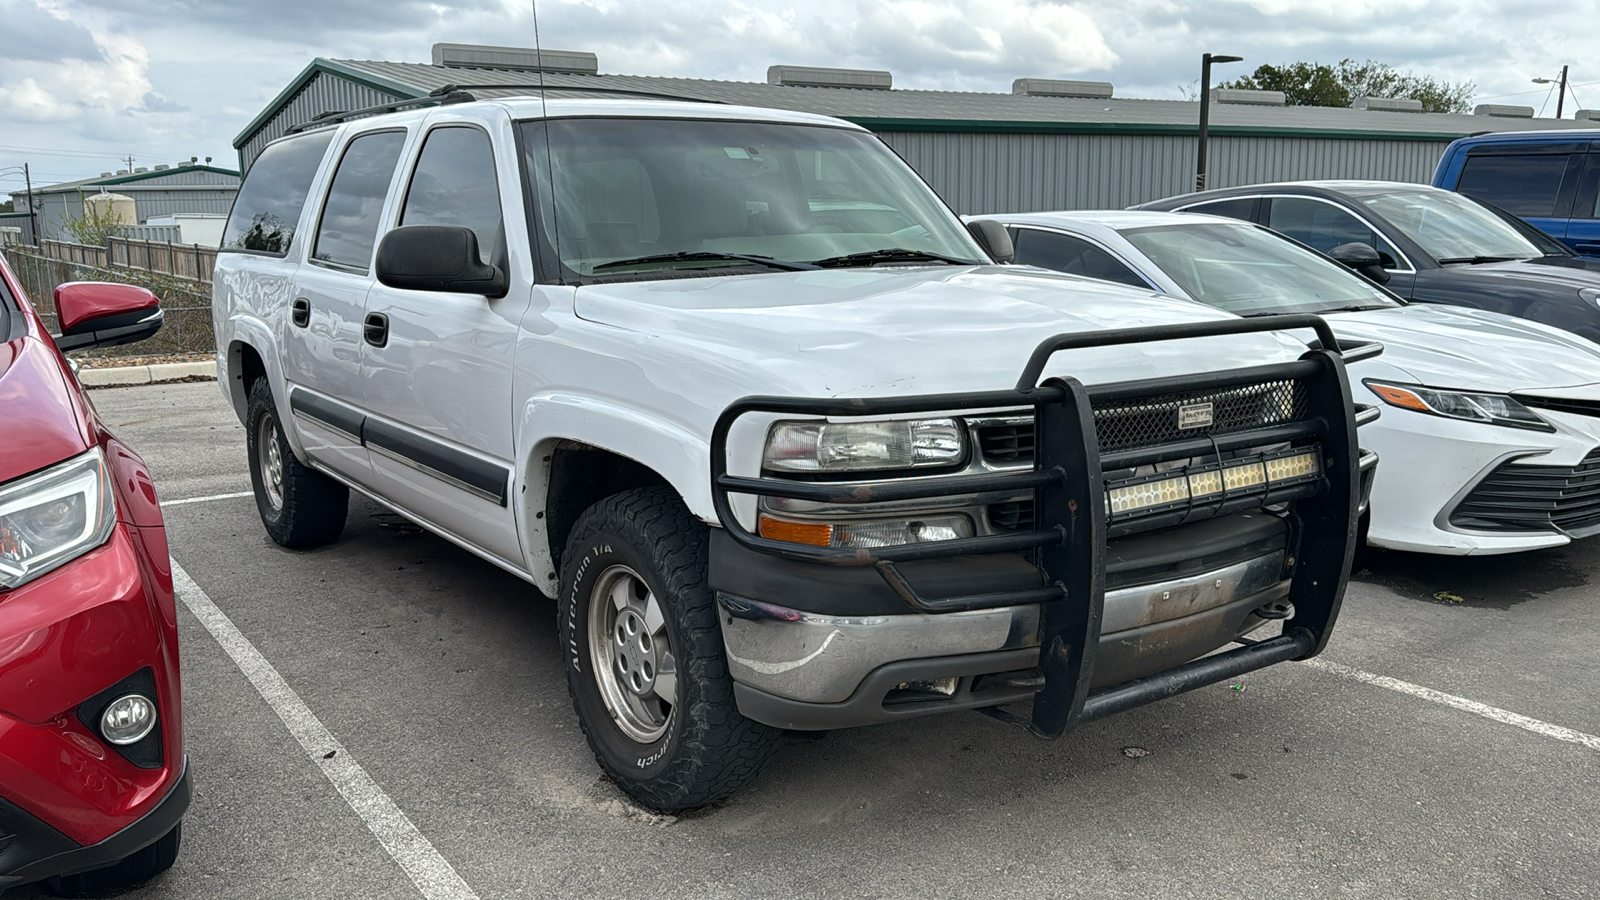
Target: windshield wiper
707,256
1475,260
1354,307
889,254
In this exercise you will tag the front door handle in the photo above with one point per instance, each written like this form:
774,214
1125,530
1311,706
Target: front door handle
376,329
300,312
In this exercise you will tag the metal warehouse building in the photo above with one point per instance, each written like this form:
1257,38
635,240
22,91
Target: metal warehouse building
1047,145
162,191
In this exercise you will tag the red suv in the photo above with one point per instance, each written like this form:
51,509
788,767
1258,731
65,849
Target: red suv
93,778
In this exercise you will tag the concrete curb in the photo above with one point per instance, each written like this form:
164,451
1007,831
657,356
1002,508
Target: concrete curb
121,375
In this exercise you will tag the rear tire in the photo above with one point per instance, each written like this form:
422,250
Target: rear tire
135,869
299,506
645,663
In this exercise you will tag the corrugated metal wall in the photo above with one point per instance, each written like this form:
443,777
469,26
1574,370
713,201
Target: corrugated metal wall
321,94
988,173
58,209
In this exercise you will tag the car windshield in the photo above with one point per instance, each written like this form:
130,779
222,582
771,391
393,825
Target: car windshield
1250,271
1451,227
636,196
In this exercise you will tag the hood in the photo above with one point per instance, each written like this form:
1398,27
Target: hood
42,425
912,330
1451,347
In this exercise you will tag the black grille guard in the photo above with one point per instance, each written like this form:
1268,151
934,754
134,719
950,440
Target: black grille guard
1070,530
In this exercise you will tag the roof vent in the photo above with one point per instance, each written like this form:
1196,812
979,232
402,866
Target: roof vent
809,76
122,171
105,174
1249,98
1051,87
1504,112
1387,104
141,170
1590,115
519,59
162,167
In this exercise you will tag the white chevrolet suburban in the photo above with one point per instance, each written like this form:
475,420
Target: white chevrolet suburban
787,446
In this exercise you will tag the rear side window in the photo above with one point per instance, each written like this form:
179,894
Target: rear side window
1075,256
1521,185
1235,208
454,184
273,195
349,226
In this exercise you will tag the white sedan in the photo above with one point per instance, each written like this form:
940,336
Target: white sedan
1490,436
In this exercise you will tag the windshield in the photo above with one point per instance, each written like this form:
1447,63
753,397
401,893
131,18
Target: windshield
657,195
1249,271
1452,228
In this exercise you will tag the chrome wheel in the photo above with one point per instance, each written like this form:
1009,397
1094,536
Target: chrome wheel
269,454
630,653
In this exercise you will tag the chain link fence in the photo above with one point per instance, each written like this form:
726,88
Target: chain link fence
185,302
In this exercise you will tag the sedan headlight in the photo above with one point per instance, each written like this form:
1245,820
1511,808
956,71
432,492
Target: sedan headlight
1494,409
53,517
825,447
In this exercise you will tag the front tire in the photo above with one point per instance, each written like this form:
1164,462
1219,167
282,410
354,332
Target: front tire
137,868
300,507
645,662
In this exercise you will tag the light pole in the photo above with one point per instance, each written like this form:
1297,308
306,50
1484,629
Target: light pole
1563,82
1205,112
33,216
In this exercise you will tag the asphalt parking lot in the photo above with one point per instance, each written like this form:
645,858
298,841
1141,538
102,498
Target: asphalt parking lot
1443,746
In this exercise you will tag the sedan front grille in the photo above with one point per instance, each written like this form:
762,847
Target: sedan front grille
1535,498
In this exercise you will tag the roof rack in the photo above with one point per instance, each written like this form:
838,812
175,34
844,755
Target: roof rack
583,88
440,97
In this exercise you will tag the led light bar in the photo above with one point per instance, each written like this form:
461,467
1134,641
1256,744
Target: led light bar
1239,477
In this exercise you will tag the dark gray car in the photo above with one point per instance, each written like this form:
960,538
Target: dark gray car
1423,243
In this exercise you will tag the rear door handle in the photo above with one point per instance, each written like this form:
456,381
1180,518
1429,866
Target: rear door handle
300,312
376,329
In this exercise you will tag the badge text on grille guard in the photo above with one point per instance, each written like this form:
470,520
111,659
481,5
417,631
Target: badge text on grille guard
1197,415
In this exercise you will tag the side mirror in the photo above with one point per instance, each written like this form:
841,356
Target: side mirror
437,258
102,314
1363,259
994,239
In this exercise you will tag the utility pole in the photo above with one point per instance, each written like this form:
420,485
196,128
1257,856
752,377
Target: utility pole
1205,112
33,217
1563,95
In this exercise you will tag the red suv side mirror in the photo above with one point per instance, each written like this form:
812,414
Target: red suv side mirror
102,314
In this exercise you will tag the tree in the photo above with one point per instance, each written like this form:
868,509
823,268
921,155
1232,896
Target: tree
98,222
1319,84
8,206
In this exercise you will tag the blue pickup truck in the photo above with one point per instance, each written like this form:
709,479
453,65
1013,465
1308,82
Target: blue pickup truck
1549,178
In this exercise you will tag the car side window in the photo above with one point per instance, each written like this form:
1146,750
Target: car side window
1234,208
268,206
1323,226
1523,185
454,184
1075,256
349,226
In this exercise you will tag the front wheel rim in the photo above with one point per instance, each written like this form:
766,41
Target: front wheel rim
630,652
269,456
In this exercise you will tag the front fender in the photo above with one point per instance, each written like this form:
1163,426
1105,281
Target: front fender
244,331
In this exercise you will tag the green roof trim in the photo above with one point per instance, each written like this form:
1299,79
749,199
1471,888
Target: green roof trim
319,66
1148,128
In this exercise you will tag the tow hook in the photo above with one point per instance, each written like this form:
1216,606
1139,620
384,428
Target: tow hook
1277,609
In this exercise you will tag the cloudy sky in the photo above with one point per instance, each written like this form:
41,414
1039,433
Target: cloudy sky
84,84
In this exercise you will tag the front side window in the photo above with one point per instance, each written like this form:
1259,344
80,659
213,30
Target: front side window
349,226
454,184
268,206
1250,272
1323,226
625,190
1075,256
1452,228
1522,185
1234,208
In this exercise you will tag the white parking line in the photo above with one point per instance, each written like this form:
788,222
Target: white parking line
427,869
208,499
1472,706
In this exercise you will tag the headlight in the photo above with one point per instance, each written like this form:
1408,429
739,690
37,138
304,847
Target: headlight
863,446
1495,409
53,517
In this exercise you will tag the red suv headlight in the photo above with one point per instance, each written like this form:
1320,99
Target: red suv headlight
52,517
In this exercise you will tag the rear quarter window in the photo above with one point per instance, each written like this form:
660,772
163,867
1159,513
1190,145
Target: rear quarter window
273,195
1523,185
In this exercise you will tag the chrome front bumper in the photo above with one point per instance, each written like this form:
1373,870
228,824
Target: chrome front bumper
810,658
